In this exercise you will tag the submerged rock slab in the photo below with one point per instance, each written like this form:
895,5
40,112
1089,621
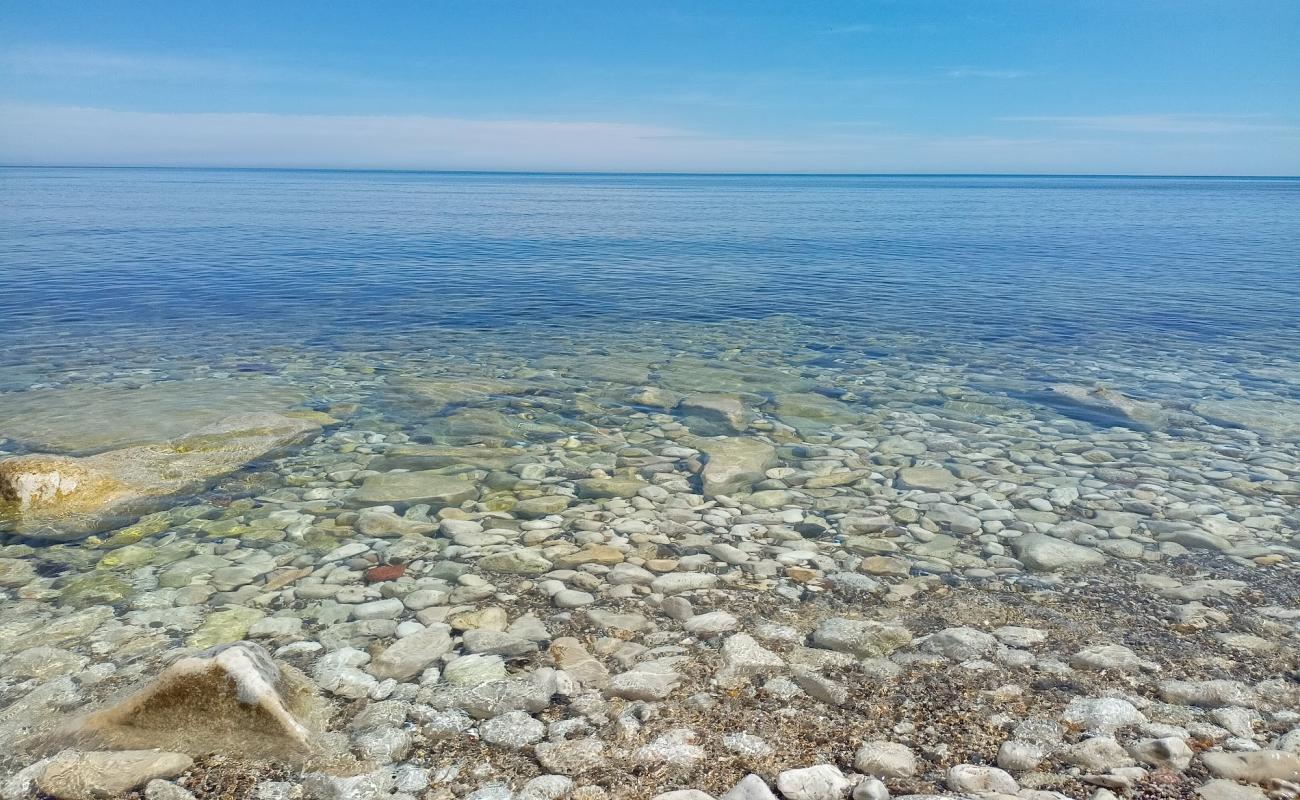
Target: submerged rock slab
232,699
77,775
408,488
1276,418
1103,405
734,463
83,419
64,498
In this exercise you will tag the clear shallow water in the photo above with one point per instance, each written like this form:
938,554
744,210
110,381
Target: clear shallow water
290,256
915,362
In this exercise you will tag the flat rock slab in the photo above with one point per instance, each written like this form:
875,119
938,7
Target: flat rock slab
411,488
77,775
84,419
64,498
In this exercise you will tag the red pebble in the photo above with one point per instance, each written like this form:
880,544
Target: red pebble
387,572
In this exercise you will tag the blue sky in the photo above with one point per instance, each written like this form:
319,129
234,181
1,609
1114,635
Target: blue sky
1184,87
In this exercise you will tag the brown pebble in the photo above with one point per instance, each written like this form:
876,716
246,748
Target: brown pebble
387,572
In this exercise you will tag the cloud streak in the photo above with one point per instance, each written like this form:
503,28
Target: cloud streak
96,136
1183,124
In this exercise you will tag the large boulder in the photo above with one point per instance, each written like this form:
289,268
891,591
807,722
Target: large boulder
232,699
734,463
64,498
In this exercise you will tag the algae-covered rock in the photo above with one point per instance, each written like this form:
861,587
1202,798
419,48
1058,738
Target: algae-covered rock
63,498
228,625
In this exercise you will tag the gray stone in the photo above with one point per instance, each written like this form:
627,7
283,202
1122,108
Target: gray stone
1043,553
411,655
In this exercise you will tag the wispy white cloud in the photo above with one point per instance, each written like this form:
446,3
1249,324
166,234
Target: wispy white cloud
75,63
991,74
95,136
1184,124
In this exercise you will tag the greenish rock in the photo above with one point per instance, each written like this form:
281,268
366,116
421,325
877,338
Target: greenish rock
695,374
473,425
869,545
428,457
604,488
447,570
862,638
941,546
228,625
810,410
734,463
534,507
523,561
441,393
1108,407
128,557
74,627
183,573
89,418
499,501
16,572
476,669
149,525
62,498
410,488
96,588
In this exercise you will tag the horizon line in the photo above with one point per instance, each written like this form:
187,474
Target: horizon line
660,173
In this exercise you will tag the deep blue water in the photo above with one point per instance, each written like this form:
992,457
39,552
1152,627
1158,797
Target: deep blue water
166,254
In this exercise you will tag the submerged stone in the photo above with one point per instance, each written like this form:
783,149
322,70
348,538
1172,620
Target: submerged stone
77,775
410,488
64,498
734,463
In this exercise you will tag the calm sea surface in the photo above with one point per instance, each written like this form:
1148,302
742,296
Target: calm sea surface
1012,422
1047,262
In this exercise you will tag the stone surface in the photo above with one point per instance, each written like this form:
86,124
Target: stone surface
734,463
411,655
63,498
1043,553
232,698
80,775
409,488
